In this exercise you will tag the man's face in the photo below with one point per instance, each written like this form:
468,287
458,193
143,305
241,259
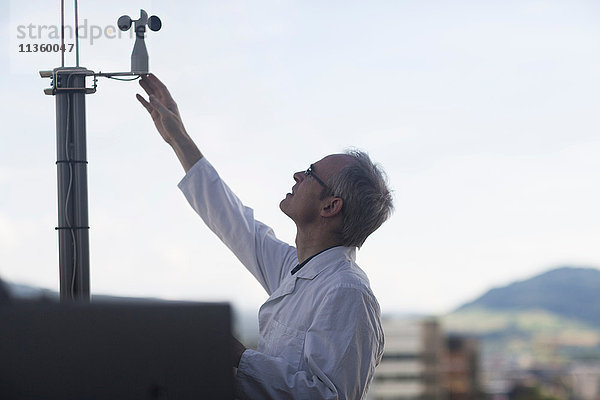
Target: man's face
303,204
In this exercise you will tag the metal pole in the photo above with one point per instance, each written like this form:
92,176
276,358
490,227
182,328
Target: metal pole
69,87
76,35
62,33
73,228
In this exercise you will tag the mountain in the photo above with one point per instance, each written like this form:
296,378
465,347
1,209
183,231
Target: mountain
549,320
568,292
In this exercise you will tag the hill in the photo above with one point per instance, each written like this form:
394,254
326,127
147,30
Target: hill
572,293
550,319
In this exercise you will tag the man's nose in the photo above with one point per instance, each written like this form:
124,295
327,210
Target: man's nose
298,176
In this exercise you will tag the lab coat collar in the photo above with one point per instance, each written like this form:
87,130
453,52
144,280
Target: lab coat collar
327,259
324,260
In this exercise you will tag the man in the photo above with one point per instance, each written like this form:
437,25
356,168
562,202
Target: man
320,330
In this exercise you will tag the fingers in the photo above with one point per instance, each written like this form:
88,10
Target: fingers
153,86
154,81
146,105
154,105
145,84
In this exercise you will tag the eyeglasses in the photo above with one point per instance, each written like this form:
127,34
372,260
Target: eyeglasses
310,172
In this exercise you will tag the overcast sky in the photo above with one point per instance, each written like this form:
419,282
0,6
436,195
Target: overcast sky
485,115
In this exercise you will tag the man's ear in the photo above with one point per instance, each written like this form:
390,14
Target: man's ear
332,206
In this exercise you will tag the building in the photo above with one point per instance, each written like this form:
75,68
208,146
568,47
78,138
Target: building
412,360
460,369
585,380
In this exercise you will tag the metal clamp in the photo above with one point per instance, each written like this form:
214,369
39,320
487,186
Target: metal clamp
58,74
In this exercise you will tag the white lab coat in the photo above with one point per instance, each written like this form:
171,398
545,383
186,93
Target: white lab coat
320,330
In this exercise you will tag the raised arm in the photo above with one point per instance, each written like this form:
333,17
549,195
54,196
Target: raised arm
251,241
165,114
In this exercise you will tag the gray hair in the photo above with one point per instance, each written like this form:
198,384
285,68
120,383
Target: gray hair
362,186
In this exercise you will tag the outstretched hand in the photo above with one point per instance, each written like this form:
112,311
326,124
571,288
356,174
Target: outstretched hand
165,114
162,108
